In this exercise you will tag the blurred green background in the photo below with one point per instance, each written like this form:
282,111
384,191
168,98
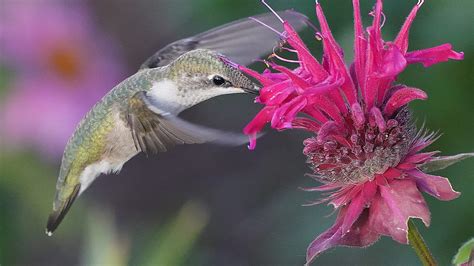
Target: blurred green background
200,204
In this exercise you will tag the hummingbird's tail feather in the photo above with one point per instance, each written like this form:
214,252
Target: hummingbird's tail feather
58,214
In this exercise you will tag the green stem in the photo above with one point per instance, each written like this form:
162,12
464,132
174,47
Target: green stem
419,245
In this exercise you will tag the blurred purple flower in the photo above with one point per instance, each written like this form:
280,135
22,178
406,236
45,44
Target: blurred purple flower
62,66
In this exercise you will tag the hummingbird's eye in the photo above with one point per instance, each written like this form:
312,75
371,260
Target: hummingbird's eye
218,80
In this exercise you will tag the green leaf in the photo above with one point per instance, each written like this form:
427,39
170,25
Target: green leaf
439,163
465,252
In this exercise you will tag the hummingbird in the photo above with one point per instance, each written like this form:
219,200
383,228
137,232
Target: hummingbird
140,114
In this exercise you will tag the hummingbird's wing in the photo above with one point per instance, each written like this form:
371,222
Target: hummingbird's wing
243,41
155,130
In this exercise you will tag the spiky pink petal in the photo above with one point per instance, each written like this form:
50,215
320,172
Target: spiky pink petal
326,87
374,58
420,157
284,115
315,114
434,55
360,46
401,97
307,60
275,94
402,38
335,58
262,118
327,105
306,124
301,83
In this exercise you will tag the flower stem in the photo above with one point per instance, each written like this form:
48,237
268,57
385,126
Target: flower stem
419,245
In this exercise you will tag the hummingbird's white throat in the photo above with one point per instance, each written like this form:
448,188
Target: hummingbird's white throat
173,100
168,96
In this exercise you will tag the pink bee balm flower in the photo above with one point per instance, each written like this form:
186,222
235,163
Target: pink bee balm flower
366,150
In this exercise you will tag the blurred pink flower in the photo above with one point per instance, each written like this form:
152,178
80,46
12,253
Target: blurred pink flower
62,65
366,150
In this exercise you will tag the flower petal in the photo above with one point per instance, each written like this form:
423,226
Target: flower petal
344,195
307,60
434,55
439,163
284,116
256,125
419,158
275,94
327,129
414,160
392,173
374,58
350,229
355,208
326,104
402,38
276,77
315,113
306,124
393,62
402,97
360,234
330,88
360,45
436,186
357,204
301,83
328,239
333,53
394,205
333,236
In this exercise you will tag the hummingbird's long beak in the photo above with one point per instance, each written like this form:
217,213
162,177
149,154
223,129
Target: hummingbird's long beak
254,90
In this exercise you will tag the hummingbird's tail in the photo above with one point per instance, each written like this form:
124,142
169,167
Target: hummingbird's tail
58,214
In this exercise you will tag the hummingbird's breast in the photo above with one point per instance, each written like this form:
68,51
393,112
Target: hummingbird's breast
119,145
103,135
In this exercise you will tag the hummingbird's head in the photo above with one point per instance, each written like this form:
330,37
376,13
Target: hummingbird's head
209,74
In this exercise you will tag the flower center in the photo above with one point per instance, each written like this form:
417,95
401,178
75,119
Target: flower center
361,152
65,62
